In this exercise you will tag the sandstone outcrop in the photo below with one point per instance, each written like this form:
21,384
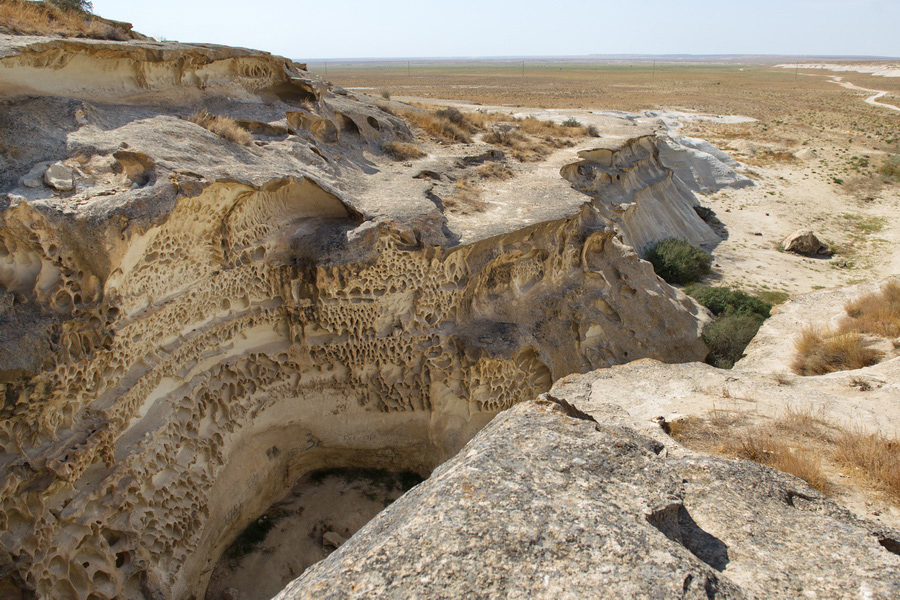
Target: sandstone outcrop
700,165
200,322
805,241
546,502
633,189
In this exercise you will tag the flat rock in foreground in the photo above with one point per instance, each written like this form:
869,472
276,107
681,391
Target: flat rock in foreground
541,504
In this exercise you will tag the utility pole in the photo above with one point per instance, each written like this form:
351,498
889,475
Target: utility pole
654,69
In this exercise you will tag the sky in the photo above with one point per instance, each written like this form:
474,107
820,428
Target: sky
305,30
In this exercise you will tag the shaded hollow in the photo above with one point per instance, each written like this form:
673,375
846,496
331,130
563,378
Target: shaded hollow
275,460
323,509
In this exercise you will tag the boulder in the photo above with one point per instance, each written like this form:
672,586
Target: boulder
60,177
805,241
35,177
547,503
744,147
333,539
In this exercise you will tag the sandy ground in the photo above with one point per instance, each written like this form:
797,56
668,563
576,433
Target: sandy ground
801,194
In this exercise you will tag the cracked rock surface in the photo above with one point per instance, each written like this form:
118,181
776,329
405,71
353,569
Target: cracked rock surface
541,504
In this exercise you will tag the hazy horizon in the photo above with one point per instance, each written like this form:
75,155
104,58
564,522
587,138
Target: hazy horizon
469,29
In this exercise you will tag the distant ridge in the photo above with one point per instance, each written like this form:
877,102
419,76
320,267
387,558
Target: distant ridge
699,58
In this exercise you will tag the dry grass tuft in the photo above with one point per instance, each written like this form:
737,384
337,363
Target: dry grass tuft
529,139
769,157
39,18
225,127
821,351
877,313
874,456
782,443
803,423
436,126
495,170
797,442
466,198
402,150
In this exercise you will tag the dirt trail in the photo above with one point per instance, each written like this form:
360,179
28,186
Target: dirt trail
873,100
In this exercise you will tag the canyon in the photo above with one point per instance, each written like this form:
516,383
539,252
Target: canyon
191,326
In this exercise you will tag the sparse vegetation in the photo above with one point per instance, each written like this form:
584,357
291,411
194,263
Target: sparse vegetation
782,443
679,261
386,94
402,150
252,536
528,139
439,127
225,127
773,297
873,456
75,5
820,351
571,122
66,18
891,168
380,477
877,313
797,442
738,317
494,170
466,197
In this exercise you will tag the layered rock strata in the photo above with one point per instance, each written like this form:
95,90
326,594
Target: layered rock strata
632,188
190,324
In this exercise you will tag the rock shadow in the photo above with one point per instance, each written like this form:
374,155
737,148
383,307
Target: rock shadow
676,523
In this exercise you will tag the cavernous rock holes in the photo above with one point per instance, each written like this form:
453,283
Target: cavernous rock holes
256,334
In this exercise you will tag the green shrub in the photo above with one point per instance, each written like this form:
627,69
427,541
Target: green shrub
386,94
728,335
705,213
725,300
679,261
773,297
891,167
571,122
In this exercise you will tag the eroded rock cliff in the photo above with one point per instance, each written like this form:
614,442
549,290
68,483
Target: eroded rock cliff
190,324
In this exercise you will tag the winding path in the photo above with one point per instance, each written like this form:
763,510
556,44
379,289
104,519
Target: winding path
873,100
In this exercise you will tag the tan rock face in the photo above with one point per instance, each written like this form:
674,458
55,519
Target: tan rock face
206,321
635,191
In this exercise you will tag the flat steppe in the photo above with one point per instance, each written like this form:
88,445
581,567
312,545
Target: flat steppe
814,151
